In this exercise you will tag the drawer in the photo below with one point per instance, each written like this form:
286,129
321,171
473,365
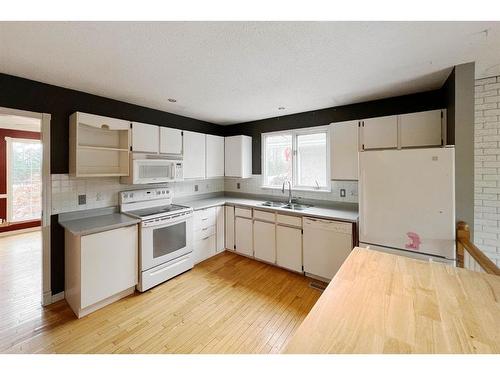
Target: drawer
264,215
205,218
204,232
296,221
243,212
204,248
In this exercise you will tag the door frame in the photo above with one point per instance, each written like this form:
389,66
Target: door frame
46,195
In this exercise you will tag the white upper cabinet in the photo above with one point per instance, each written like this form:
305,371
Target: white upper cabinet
215,156
421,129
379,132
238,156
171,141
194,155
344,150
145,138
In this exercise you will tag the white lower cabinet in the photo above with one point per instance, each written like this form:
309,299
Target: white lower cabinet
205,234
289,248
243,235
264,241
100,268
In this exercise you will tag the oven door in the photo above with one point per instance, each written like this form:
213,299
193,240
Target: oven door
166,241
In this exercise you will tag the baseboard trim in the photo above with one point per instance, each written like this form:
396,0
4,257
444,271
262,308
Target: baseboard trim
57,297
46,298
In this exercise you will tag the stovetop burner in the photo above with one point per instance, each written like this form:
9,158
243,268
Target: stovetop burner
145,212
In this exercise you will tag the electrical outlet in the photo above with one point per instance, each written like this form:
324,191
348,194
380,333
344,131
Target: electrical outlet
238,185
195,187
342,193
82,199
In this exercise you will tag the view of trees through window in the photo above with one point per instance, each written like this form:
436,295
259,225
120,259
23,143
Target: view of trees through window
278,159
25,180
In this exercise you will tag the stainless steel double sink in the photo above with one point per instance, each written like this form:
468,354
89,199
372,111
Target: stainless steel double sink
288,206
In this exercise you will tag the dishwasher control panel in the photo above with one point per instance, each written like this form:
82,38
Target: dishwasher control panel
335,226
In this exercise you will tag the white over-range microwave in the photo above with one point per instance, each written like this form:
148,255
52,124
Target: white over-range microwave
153,171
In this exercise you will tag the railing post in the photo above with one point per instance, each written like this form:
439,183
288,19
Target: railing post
463,233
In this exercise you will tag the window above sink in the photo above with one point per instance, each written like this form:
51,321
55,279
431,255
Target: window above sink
300,156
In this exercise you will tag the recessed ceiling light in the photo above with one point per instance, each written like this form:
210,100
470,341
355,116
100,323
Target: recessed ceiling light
171,100
281,108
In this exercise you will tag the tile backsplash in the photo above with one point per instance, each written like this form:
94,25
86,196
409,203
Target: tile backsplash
103,192
253,186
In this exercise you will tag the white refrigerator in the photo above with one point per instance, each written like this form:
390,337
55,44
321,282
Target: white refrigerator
407,202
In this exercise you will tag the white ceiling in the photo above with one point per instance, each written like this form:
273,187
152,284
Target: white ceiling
231,72
19,123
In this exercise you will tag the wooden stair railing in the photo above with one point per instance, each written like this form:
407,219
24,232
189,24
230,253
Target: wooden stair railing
464,244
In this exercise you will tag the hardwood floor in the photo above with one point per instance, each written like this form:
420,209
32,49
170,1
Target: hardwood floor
227,304
20,279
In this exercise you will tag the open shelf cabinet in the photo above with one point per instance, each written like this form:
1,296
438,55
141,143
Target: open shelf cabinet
99,146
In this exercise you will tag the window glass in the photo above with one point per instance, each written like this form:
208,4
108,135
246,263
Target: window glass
311,160
278,163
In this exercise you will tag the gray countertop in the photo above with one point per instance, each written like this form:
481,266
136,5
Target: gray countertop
81,223
342,211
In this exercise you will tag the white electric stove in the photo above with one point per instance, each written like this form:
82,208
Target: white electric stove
165,234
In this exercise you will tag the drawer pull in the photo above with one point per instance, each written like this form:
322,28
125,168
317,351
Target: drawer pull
204,228
205,218
206,238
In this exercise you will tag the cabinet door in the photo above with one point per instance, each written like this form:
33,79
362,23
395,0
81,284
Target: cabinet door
380,132
421,129
215,156
220,229
145,138
108,264
344,153
289,248
243,236
264,241
194,155
170,141
229,227
238,156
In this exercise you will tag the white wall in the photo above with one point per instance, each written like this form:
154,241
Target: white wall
487,167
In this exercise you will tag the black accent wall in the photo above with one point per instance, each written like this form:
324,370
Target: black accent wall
424,101
20,93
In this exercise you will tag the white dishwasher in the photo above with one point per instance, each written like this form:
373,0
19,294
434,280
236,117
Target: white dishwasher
326,245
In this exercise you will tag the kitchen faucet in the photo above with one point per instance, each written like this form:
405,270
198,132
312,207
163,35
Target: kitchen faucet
289,190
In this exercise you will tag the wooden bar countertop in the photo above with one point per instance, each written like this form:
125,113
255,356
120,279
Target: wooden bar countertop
384,303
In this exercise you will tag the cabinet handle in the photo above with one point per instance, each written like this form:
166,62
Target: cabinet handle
204,228
206,238
205,218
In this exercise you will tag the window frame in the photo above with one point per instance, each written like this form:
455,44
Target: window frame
294,134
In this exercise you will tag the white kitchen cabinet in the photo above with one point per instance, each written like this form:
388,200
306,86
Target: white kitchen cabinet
264,241
215,156
98,146
220,228
421,129
238,156
229,227
379,132
100,268
205,234
243,235
194,155
344,150
171,141
289,248
145,138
